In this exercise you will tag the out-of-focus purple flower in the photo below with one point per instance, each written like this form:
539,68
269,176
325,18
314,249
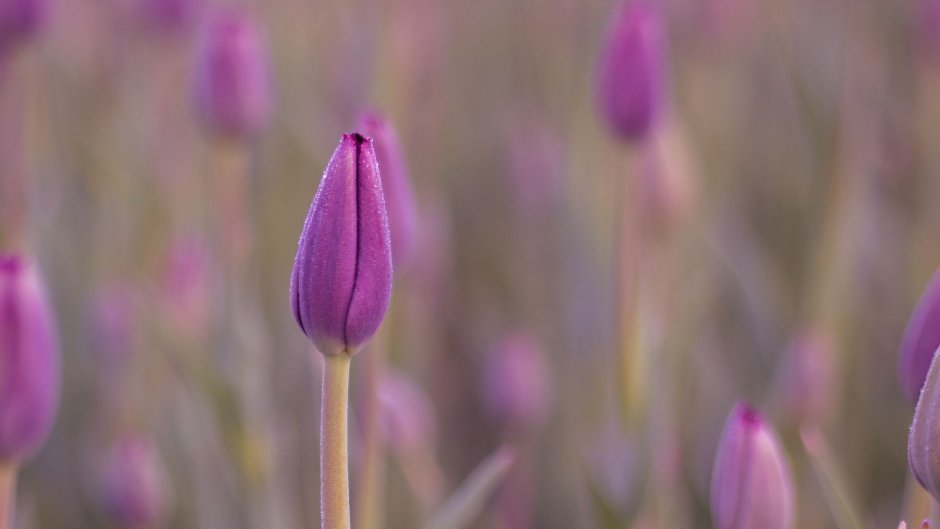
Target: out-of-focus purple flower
751,481
516,381
920,342
168,15
133,492
805,380
923,442
630,87
929,17
406,419
232,77
396,185
185,288
342,278
29,360
21,19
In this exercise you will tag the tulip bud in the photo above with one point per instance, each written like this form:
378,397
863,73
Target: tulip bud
186,285
516,383
232,83
342,277
396,186
29,361
406,418
168,15
804,383
751,481
921,339
924,439
132,484
629,74
21,19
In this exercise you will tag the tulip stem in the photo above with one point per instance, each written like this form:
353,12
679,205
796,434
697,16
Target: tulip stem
334,458
7,494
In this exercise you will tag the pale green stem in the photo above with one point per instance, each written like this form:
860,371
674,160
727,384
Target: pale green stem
7,494
334,459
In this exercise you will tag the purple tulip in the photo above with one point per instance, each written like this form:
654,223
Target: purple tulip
21,19
751,481
629,75
29,361
924,439
168,15
396,185
132,484
406,418
805,379
342,277
186,284
921,340
232,79
516,383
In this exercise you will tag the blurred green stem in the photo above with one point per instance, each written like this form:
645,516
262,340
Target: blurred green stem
7,494
334,459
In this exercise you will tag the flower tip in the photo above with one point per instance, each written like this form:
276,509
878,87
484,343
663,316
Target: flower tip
749,452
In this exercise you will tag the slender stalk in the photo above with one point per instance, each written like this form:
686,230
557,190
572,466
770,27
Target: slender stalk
7,494
334,458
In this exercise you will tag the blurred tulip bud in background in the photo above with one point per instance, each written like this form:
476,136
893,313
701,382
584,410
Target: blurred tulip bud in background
133,484
751,487
171,16
399,194
232,77
804,383
516,381
185,285
21,20
630,72
406,418
921,339
342,277
29,360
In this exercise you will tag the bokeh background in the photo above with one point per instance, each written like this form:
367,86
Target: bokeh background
767,242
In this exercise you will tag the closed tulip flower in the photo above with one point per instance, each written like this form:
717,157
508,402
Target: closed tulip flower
20,20
232,78
29,361
920,342
924,439
629,88
751,484
342,277
133,484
